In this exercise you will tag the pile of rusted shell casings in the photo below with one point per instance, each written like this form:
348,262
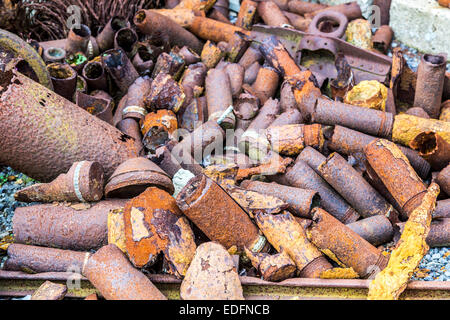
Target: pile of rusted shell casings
175,144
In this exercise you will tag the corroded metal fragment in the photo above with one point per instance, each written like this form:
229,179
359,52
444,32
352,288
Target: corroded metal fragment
50,291
276,267
291,139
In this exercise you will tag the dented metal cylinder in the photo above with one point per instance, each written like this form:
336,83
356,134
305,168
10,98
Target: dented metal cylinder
95,76
62,132
211,209
271,14
219,97
345,246
64,79
113,275
265,84
63,226
439,234
376,230
78,39
33,259
430,83
120,68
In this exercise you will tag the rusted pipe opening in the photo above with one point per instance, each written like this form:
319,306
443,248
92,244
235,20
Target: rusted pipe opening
144,53
126,38
118,23
93,70
434,59
60,71
315,201
425,143
83,31
140,16
113,58
56,53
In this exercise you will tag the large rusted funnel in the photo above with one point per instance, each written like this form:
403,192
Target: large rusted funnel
43,134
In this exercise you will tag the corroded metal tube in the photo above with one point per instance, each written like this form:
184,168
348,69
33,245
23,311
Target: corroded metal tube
246,14
113,275
95,76
443,179
442,209
78,39
219,96
376,230
120,68
63,226
439,235
211,209
105,39
430,83
62,132
271,14
291,139
433,148
344,246
41,259
64,79
265,84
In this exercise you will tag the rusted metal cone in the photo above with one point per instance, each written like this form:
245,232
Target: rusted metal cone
50,291
376,230
95,76
105,38
276,267
301,201
83,182
120,68
407,127
64,79
350,142
32,259
345,246
212,275
114,276
430,83
134,105
370,121
97,106
154,224
439,235
211,209
382,38
433,148
47,225
135,175
271,14
392,167
62,129
301,175
285,233
78,39
353,188
291,139
443,179
165,30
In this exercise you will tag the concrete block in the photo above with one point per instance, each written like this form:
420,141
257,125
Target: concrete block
421,24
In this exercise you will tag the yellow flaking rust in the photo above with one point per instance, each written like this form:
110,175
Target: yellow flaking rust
369,94
339,273
409,251
116,229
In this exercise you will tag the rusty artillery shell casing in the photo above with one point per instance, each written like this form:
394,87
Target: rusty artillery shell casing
430,83
236,74
49,225
442,209
287,98
135,175
41,259
165,29
120,68
350,9
182,16
344,246
219,97
211,209
154,224
126,39
246,14
213,30
246,106
166,161
135,102
291,139
97,106
301,175
250,56
407,127
285,233
130,127
211,54
433,148
64,79
301,201
376,229
291,116
165,93
374,122
394,170
194,114
105,38
350,142
418,112
95,76
353,188
194,77
189,56
302,7
81,85
443,179
63,130
169,63
251,73
114,276
382,38
297,21
158,128
145,57
271,14
265,84
83,182
54,54
275,267
445,111
78,39
439,235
